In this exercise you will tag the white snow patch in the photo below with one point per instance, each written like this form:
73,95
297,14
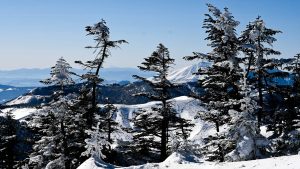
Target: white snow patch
20,113
25,99
264,132
176,161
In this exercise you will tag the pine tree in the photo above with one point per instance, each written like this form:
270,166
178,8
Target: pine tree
61,142
101,136
294,68
101,34
60,74
59,126
145,131
106,120
221,82
244,132
8,140
253,42
162,116
287,115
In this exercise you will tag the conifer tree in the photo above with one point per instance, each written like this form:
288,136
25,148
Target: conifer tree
244,133
101,34
286,119
61,140
222,79
294,68
60,74
100,139
58,126
106,120
162,117
253,43
8,140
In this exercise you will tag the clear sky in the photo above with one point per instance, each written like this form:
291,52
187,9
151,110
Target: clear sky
35,33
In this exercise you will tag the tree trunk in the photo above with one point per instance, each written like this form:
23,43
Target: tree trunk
260,85
65,146
260,110
94,96
109,131
163,149
217,126
249,64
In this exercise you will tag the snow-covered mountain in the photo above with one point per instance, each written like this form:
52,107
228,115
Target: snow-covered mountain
11,92
186,74
20,78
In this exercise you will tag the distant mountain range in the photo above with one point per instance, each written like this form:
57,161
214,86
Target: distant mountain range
31,77
19,82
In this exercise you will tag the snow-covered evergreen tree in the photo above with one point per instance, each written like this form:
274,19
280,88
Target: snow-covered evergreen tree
101,34
60,74
162,117
61,135
100,142
244,133
253,43
58,125
221,82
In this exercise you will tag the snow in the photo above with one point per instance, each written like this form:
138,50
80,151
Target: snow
185,106
176,161
20,113
264,132
186,74
25,99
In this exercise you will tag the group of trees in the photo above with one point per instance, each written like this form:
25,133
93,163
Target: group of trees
238,99
72,126
245,100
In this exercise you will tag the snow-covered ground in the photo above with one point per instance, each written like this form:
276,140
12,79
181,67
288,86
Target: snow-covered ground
25,99
20,113
176,161
185,106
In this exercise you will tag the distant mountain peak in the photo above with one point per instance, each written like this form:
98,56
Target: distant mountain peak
187,74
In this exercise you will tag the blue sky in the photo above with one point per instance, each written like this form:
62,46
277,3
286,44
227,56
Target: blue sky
35,33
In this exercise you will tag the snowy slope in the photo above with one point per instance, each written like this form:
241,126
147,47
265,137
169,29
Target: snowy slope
186,74
26,99
20,113
176,161
10,92
187,108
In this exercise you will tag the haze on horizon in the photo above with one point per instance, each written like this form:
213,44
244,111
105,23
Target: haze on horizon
34,34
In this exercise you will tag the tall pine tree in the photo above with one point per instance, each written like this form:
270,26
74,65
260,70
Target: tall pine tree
101,34
253,43
222,79
162,117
